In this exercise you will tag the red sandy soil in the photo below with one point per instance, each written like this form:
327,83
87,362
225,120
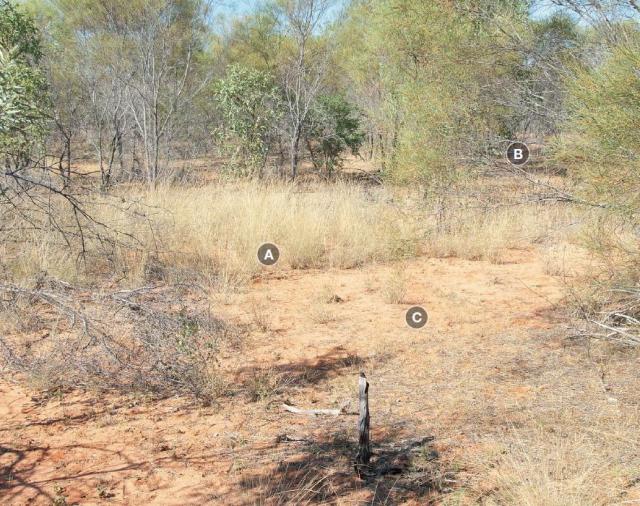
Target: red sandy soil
492,357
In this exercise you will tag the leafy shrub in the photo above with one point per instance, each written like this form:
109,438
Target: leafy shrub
335,128
250,107
22,87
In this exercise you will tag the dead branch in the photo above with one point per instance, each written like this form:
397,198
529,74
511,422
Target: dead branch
317,412
129,340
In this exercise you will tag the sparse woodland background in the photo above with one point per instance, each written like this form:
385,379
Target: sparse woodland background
156,140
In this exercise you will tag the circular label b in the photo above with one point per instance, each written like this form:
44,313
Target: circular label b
417,317
518,153
268,254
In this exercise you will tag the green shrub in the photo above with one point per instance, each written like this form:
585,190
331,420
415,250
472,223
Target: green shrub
22,87
335,128
601,148
250,107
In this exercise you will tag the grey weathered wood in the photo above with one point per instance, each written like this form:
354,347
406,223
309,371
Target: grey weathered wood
364,444
298,411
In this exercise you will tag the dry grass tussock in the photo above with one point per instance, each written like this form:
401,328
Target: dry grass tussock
608,298
582,468
483,218
478,233
212,232
215,231
219,228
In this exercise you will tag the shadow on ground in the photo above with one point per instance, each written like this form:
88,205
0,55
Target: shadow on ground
319,472
303,373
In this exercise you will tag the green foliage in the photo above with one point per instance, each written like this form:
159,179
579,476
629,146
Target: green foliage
255,41
552,46
19,34
428,74
336,130
22,84
600,146
250,107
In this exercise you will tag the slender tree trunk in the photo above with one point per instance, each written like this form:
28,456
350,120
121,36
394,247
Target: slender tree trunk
281,163
65,156
120,155
295,153
103,175
156,140
68,142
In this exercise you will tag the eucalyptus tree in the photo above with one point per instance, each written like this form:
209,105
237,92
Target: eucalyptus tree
138,67
304,68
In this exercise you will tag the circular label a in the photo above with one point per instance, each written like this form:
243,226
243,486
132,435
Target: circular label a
268,254
417,317
518,153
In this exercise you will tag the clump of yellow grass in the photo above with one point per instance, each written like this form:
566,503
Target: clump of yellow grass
215,230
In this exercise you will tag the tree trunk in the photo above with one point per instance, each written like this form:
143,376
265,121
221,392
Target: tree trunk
295,156
69,158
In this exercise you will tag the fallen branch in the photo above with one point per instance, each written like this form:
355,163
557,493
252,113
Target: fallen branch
316,412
